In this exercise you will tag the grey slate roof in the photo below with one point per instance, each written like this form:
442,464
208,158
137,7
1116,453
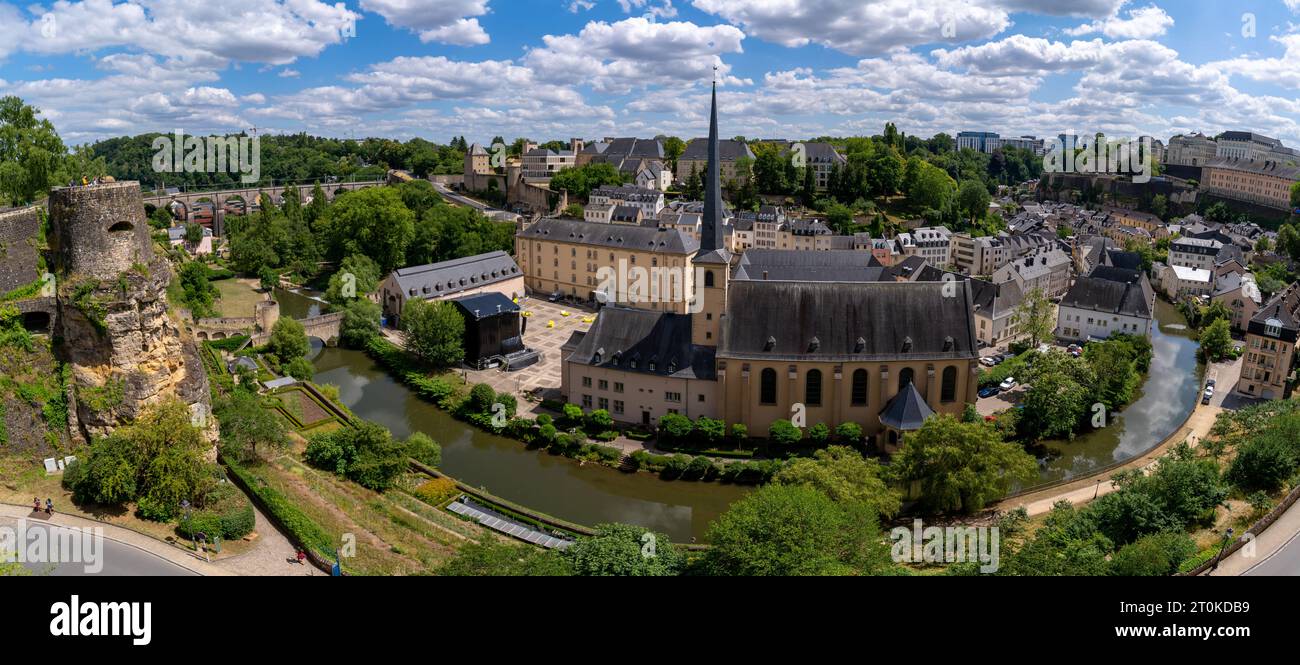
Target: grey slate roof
624,336
804,266
835,321
1113,291
729,150
1274,169
449,277
1285,308
907,412
646,238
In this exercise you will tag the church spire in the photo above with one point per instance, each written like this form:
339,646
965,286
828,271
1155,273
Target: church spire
711,237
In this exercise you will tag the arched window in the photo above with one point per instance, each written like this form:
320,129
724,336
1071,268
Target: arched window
767,387
905,377
860,387
813,388
949,391
708,279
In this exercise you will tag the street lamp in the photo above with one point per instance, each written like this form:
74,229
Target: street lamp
1098,490
185,507
1227,536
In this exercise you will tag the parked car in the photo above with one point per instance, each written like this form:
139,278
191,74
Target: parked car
988,361
989,392
1211,383
1207,395
1008,384
554,297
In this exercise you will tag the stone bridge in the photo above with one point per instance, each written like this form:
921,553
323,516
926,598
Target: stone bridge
218,329
324,327
247,194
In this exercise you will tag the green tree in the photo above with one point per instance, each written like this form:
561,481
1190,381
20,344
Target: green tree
357,276
961,466
795,530
248,430
1156,555
845,476
623,550
784,433
973,199
288,340
424,449
1216,341
1035,316
374,222
435,332
360,322
30,152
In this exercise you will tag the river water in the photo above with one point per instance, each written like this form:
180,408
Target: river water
591,494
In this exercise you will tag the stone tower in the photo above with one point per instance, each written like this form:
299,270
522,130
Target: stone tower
123,347
100,231
713,262
267,313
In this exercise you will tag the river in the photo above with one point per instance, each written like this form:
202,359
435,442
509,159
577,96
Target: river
1166,399
591,494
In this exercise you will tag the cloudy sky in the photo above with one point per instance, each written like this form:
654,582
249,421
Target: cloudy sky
591,68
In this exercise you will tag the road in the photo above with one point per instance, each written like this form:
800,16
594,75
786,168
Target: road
457,198
1285,561
118,559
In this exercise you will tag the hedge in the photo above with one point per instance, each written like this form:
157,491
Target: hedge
289,517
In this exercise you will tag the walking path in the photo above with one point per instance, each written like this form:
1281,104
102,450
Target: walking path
1275,552
1088,488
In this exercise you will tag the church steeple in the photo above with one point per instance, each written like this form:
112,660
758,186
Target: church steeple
712,247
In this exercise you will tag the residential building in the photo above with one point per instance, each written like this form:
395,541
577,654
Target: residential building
650,201
977,141
494,272
822,158
1106,302
1270,352
1191,150
543,163
1194,253
478,161
696,156
932,243
1239,292
1048,270
1182,281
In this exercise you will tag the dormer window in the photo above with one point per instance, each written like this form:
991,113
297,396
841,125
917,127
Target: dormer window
907,345
814,344
948,344
600,353
654,363
1273,328
860,345
771,344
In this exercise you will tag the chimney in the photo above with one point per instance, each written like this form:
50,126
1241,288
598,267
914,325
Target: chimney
765,275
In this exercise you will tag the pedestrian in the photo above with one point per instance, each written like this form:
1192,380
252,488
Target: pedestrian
36,504
302,558
49,506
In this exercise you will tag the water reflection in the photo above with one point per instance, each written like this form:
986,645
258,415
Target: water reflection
587,494
1166,399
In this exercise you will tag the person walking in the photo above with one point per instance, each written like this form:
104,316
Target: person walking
36,504
49,506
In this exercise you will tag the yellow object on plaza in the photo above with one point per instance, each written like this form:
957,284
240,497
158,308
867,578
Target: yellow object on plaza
564,312
550,324
588,319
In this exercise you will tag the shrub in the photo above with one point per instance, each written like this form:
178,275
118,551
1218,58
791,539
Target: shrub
301,369
599,420
675,428
481,397
739,434
784,433
819,434
640,459
548,434
437,491
849,432
424,449
572,415
1155,555
700,468
709,432
544,419
71,475
675,466
1263,464
366,455
510,403
606,436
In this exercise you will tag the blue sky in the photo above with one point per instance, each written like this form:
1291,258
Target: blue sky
551,69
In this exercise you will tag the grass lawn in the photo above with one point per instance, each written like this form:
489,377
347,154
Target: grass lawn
395,533
238,297
20,481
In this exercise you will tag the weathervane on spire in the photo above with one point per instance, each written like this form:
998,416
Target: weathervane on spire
715,72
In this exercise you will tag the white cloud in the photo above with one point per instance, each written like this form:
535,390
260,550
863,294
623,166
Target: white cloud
289,73
862,28
665,10
445,21
636,53
1142,23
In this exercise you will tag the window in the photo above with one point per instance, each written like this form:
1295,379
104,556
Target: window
618,387
604,403
604,385
905,377
701,398
672,397
708,279
618,406
767,387
586,382
586,401
813,388
948,393
860,387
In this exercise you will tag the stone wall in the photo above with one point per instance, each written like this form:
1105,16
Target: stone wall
19,240
123,348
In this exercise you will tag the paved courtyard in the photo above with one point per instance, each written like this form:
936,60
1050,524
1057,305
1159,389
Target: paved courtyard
548,340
